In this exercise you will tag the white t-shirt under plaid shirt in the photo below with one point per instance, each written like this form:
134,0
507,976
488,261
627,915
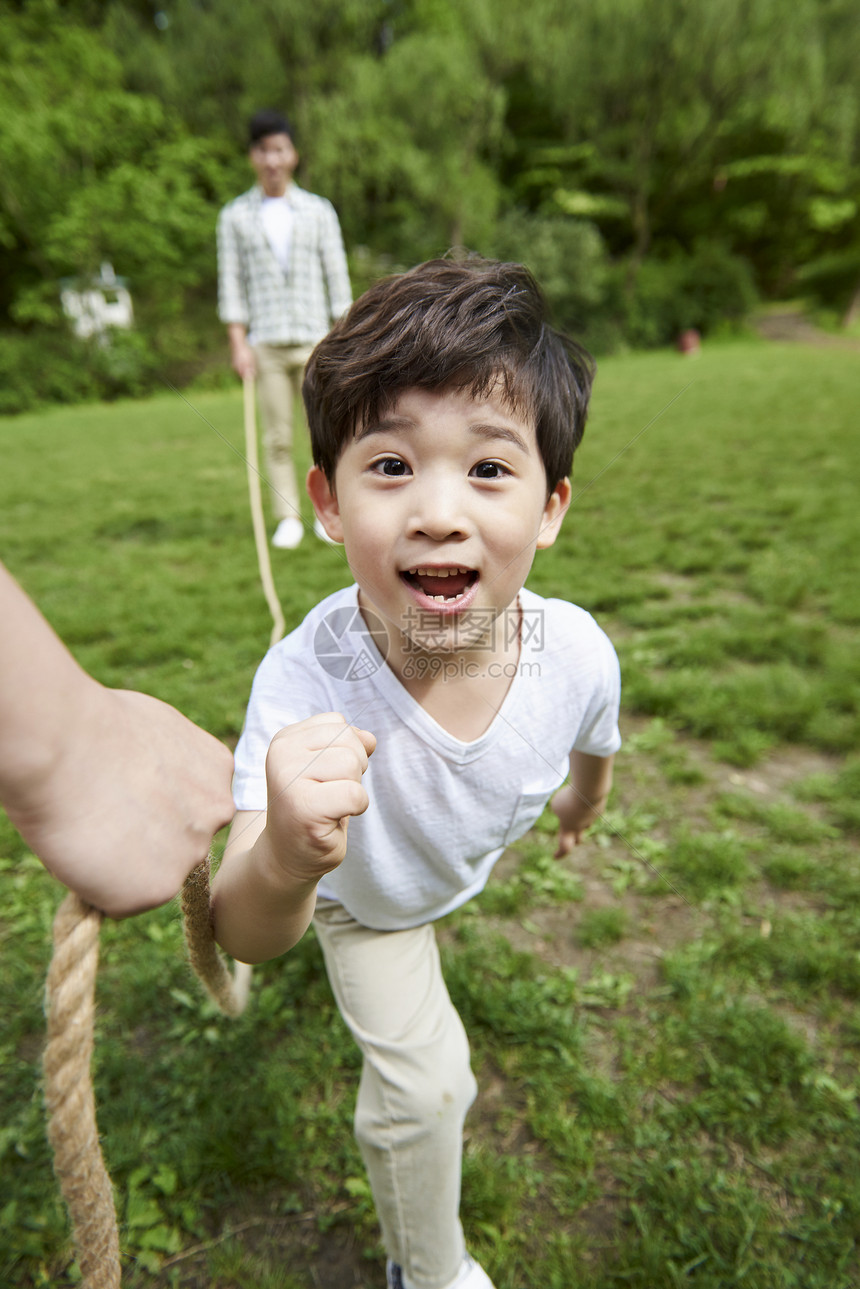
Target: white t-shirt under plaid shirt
295,307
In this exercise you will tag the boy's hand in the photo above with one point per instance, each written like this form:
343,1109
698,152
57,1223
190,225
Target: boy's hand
582,801
264,892
313,772
575,817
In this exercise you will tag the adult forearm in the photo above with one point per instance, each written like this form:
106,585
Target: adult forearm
116,792
43,693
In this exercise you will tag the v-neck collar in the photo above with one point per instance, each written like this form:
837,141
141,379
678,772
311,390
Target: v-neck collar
426,726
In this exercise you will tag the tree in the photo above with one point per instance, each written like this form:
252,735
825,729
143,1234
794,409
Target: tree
421,121
90,171
654,145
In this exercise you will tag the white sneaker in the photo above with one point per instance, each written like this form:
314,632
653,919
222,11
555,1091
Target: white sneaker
470,1276
288,534
323,535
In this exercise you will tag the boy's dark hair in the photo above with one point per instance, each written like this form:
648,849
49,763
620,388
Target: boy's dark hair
471,324
265,122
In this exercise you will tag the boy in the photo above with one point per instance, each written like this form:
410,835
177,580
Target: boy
444,412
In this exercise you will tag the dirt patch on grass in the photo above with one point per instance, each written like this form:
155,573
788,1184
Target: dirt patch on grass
776,778
552,934
261,1240
792,327
659,918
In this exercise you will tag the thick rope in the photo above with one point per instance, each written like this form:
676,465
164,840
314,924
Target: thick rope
255,494
70,999
69,1002
72,1130
228,991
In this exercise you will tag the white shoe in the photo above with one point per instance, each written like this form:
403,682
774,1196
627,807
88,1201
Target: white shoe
323,535
288,534
470,1276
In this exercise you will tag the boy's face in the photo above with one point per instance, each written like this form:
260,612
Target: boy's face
440,506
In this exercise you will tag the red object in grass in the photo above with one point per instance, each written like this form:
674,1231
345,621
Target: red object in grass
689,341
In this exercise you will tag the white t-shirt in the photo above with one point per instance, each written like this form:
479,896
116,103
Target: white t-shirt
441,811
278,226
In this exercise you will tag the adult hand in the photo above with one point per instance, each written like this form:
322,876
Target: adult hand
242,358
130,803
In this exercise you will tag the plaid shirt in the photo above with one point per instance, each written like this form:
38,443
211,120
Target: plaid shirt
278,308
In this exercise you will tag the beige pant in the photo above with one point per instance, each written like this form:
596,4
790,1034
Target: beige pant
416,1086
279,383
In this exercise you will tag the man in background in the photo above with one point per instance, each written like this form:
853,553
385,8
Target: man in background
282,282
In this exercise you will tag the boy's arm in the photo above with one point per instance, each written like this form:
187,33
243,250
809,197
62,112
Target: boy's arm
265,890
116,792
257,913
582,801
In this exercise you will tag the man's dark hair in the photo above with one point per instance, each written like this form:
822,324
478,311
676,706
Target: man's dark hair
265,122
476,325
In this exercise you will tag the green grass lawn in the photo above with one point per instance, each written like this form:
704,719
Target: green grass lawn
664,1026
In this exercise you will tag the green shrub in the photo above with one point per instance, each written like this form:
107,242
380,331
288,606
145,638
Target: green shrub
126,366
568,258
42,365
701,290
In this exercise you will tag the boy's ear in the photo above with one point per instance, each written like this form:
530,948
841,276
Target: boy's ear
554,512
324,502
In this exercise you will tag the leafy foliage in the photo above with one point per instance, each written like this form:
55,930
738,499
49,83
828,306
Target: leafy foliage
659,164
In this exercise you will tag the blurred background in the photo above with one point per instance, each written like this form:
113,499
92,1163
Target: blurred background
662,165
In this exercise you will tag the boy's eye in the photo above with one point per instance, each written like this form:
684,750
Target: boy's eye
391,467
489,470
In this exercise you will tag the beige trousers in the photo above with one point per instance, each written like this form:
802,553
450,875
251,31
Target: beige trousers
279,383
416,1086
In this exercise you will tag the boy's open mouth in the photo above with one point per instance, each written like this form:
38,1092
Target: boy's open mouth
444,585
